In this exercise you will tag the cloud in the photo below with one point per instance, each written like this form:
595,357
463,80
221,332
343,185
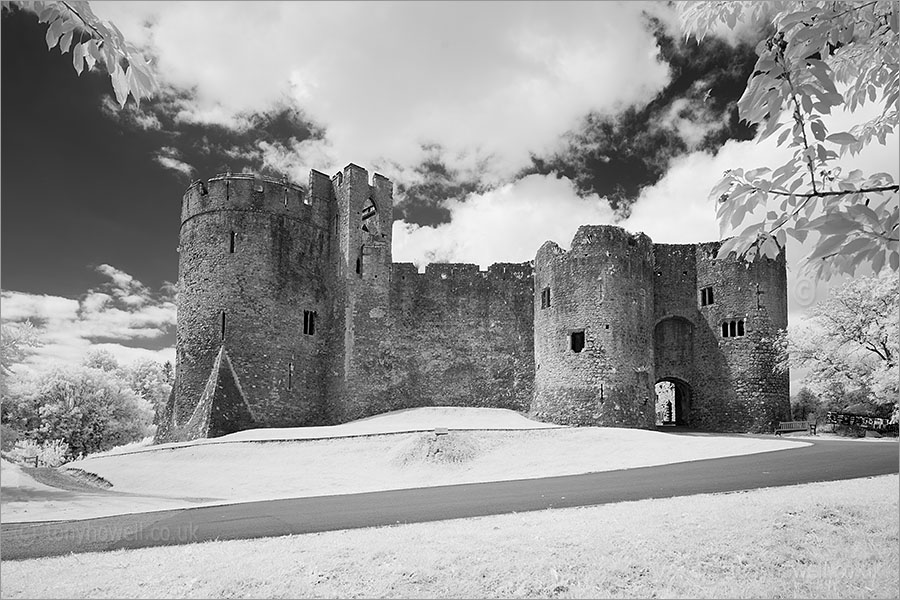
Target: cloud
122,316
506,224
131,115
168,158
488,79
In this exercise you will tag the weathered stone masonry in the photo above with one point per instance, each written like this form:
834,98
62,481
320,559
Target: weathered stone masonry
291,313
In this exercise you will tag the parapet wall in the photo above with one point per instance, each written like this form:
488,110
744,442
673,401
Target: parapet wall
249,192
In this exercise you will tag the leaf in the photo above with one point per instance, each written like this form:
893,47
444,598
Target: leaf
855,245
53,33
78,58
784,135
120,86
89,51
66,41
826,247
843,138
818,130
878,261
799,234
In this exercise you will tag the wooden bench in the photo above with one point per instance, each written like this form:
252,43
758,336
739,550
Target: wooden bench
789,426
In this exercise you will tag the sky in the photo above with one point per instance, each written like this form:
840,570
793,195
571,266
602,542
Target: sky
502,125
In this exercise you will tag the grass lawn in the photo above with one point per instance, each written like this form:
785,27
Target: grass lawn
252,465
821,540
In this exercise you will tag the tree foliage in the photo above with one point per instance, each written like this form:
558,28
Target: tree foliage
852,343
804,405
73,26
821,56
88,408
17,340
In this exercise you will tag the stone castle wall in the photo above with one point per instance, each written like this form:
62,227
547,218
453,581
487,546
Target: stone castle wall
270,255
600,289
251,261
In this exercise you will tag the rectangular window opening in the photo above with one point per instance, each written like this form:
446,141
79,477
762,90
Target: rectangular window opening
706,296
223,325
231,244
733,328
309,322
545,297
577,341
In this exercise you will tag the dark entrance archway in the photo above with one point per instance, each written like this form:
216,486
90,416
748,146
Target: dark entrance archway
676,399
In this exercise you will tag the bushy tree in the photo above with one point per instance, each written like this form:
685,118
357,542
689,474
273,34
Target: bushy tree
852,343
804,405
821,56
151,380
17,340
101,359
88,408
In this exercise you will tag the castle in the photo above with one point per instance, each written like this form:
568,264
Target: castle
291,313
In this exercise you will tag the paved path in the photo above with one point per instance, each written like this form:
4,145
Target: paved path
822,461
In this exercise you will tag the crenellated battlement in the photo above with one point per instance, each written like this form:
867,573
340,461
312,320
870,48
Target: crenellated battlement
248,192
463,272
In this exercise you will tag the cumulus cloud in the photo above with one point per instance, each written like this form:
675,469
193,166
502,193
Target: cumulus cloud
123,316
506,224
493,79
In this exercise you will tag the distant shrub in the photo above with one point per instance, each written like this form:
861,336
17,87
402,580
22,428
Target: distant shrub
8,437
51,453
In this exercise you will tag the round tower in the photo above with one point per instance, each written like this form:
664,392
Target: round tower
252,294
744,315
593,330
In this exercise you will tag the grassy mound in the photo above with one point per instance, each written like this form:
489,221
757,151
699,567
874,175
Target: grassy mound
456,447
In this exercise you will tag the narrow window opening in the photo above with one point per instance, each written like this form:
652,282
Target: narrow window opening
231,243
545,297
577,341
740,327
309,322
223,325
706,296
358,266
724,329
732,328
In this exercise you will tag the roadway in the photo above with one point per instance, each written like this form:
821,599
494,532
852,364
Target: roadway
823,460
